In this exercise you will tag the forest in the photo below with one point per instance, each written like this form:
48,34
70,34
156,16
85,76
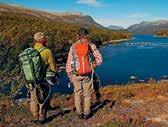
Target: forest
16,34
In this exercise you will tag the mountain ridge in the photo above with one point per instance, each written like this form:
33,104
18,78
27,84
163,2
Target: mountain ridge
148,27
67,17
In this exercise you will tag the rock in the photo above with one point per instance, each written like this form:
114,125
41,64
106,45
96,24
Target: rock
22,100
133,77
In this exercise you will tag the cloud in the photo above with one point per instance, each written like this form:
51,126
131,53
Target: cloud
124,21
128,20
94,3
138,15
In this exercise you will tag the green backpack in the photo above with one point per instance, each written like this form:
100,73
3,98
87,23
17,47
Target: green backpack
32,65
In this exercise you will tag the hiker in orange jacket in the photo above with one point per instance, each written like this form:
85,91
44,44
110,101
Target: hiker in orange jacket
79,68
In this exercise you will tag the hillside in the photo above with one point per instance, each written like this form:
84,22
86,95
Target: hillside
16,34
162,33
18,26
148,27
75,18
135,105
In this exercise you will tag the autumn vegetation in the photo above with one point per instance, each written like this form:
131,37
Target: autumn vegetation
162,33
16,34
133,105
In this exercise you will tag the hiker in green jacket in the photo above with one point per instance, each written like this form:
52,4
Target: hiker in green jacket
39,69
47,56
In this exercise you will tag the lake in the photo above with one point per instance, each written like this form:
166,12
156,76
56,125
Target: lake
144,57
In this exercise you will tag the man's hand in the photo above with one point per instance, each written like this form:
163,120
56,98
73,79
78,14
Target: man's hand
94,64
53,79
69,84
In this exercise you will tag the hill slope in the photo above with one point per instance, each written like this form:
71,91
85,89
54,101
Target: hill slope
162,33
136,105
149,27
76,18
18,27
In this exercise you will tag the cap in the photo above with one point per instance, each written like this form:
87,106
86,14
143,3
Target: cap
83,31
39,36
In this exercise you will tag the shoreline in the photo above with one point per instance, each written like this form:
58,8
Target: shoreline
116,41
159,36
130,82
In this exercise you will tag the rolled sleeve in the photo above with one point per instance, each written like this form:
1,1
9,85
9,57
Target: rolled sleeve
69,64
96,54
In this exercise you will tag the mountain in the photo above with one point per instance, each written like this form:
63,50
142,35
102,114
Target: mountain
18,25
67,17
149,27
114,27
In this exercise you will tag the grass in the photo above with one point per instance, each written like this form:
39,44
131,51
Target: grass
115,93
116,124
136,90
120,124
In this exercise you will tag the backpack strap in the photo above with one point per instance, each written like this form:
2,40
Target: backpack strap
41,49
74,59
43,63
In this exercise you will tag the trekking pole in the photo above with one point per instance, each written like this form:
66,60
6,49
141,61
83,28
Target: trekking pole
92,74
41,104
98,79
59,89
97,92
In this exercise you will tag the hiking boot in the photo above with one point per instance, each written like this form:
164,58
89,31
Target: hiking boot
42,122
39,122
87,116
80,116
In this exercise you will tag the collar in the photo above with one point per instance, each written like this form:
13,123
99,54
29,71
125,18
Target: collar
38,45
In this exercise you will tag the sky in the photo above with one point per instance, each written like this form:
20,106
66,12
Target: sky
106,12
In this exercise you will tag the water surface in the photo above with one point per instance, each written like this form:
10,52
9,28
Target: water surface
145,57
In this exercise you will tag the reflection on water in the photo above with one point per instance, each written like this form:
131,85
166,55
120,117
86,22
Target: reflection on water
145,44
